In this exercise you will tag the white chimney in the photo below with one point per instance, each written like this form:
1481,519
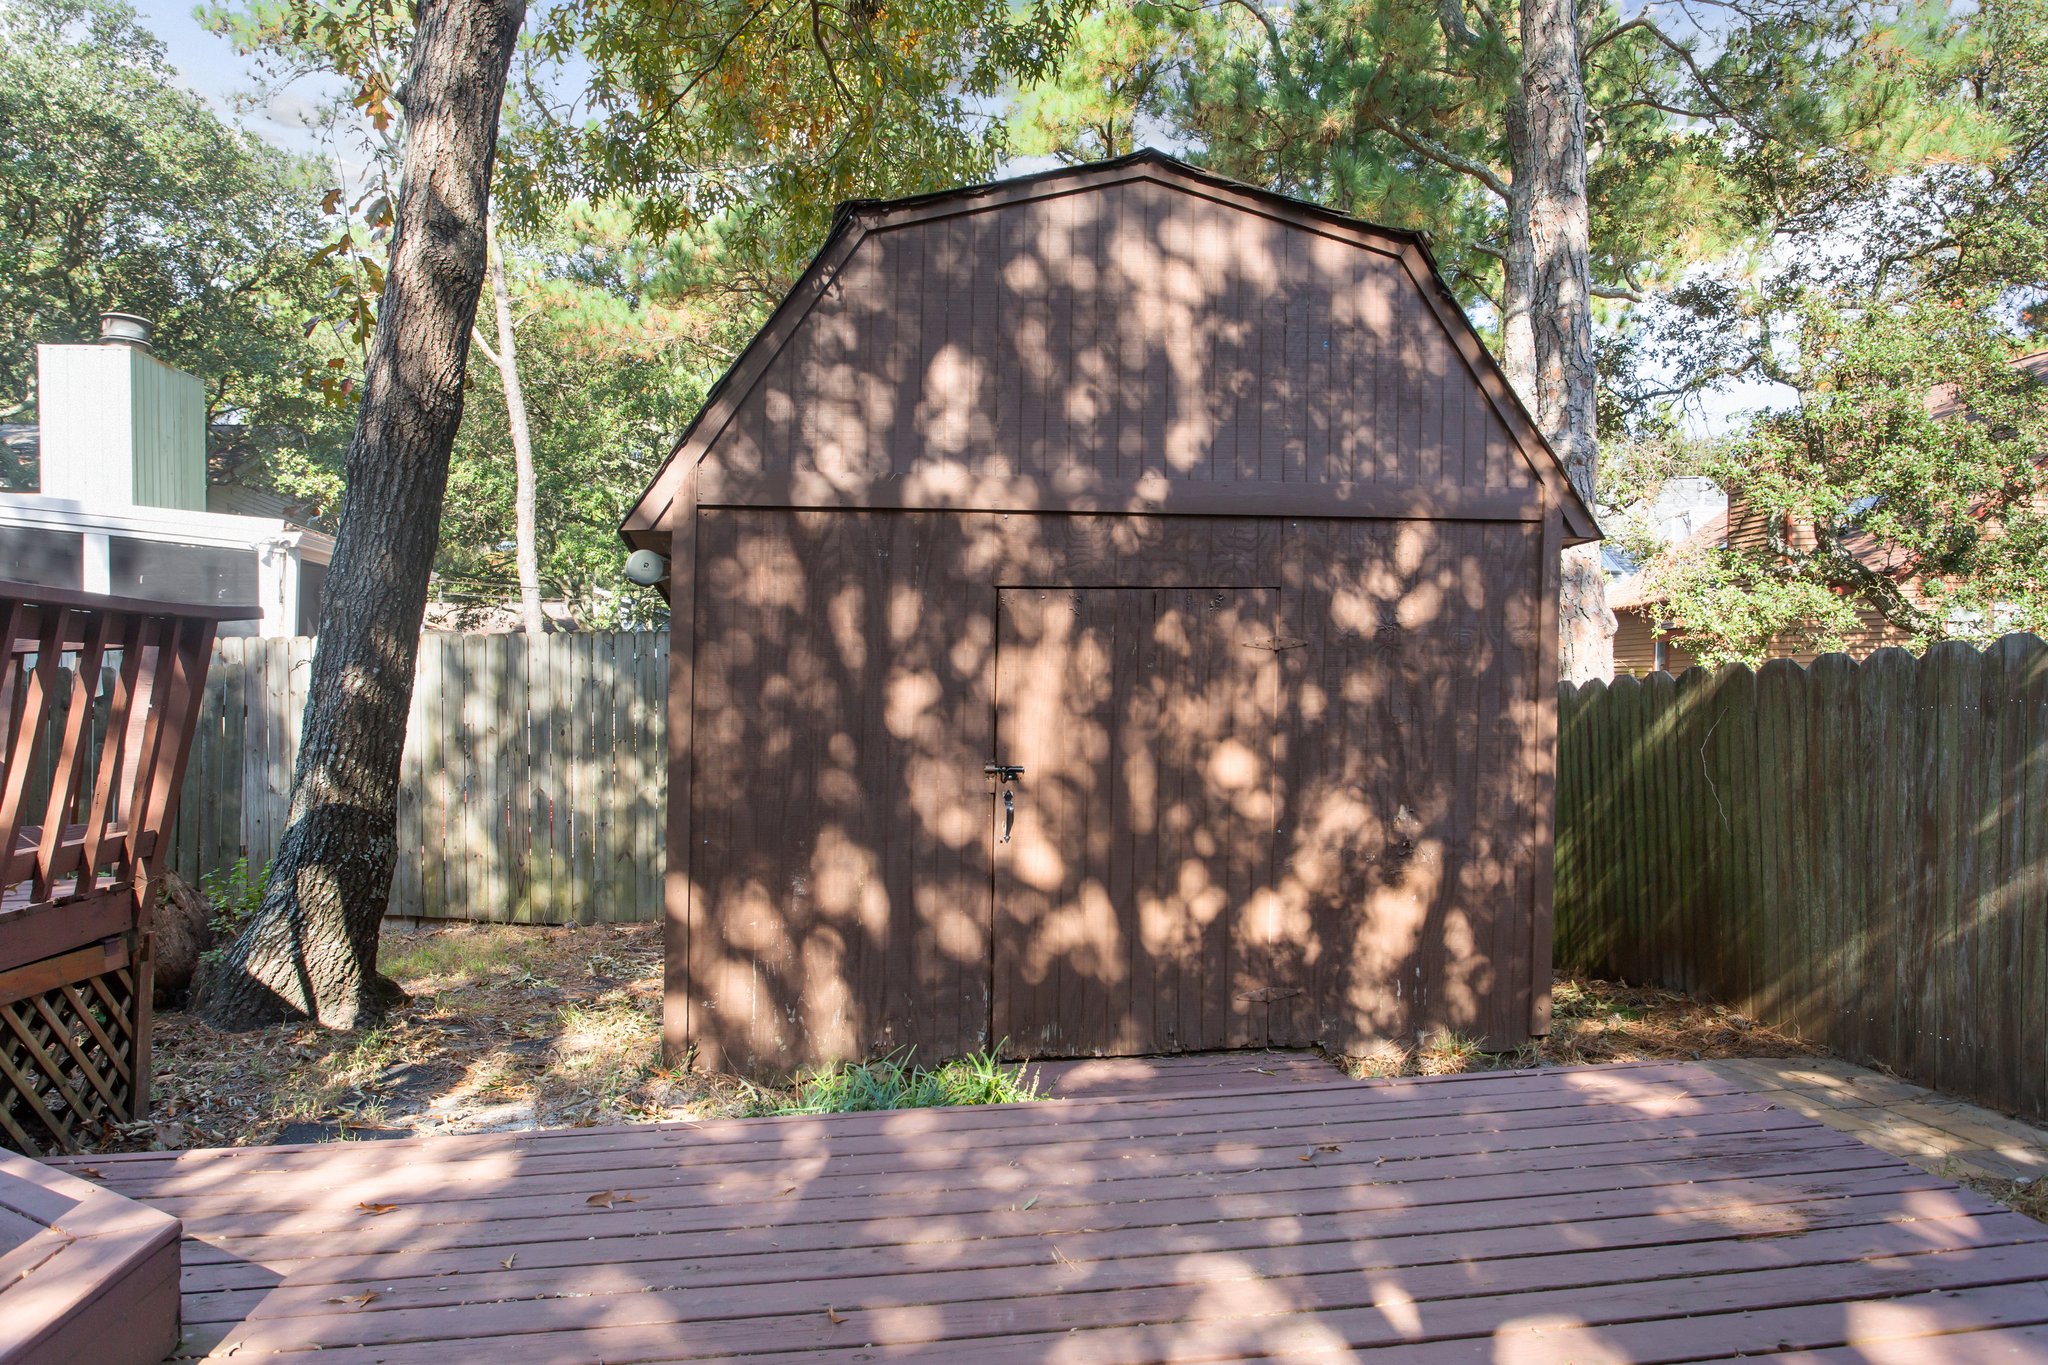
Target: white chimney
120,428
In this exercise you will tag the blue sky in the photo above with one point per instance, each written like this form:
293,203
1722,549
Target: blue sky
210,66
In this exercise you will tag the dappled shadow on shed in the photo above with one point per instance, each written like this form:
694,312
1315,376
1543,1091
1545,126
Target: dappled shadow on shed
885,473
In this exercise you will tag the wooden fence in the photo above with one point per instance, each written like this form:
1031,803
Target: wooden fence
534,777
1858,851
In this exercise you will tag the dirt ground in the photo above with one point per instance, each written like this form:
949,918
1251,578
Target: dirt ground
509,1027
1597,1021
515,1027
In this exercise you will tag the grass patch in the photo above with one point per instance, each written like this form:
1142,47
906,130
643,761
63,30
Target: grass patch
603,1051
467,955
892,1083
338,1075
1444,1053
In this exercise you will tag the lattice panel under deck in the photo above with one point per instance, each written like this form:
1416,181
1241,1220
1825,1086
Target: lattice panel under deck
67,1063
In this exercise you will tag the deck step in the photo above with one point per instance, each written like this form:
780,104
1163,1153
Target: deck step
86,1275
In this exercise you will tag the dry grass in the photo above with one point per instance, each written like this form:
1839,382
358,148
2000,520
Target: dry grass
2027,1196
1593,1021
508,1027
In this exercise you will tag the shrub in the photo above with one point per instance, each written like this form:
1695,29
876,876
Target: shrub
234,894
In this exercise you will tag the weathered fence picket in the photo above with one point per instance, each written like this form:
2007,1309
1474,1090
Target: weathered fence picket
1858,851
531,789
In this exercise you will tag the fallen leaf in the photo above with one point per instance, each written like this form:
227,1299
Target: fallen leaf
790,1190
507,1262
1028,1203
1060,1257
832,1317
92,1173
604,1199
375,1210
1306,1156
367,1297
1329,1147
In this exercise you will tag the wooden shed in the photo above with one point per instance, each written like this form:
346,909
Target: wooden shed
1206,511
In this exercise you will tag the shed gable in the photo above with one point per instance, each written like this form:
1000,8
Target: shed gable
1128,337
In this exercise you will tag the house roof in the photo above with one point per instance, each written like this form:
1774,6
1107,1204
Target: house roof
1629,592
1941,399
857,218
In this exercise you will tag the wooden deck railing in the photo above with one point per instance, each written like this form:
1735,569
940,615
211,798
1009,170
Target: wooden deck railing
98,700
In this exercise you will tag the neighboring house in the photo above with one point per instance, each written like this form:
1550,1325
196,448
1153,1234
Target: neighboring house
124,507
1644,642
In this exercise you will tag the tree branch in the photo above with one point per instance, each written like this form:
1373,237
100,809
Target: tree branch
476,339
1267,22
1450,17
1705,86
1433,150
824,51
1609,36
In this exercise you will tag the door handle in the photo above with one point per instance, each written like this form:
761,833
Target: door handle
1008,774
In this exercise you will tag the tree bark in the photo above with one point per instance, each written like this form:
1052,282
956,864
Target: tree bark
506,359
311,950
1548,301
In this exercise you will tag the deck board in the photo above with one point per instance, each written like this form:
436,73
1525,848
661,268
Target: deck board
1643,1213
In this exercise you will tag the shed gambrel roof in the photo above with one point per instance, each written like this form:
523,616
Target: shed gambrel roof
1130,335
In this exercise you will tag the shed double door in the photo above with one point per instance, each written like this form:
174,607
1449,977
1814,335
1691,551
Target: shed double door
1130,893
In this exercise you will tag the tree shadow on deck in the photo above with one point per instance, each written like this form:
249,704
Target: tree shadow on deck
1615,1214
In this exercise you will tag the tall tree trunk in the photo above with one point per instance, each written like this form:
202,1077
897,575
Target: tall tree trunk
1548,300
506,359
311,950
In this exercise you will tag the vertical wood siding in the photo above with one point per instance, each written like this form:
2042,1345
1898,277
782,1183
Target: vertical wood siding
1858,851
531,790
842,827
1135,331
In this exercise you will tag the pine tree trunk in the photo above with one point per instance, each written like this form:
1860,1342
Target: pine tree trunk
526,550
1549,301
311,950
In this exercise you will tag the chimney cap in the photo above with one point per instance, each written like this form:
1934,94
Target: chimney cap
125,329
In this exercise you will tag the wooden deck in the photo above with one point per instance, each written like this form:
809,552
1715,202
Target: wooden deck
1648,1213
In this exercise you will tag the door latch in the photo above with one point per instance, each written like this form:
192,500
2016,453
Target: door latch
1008,774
